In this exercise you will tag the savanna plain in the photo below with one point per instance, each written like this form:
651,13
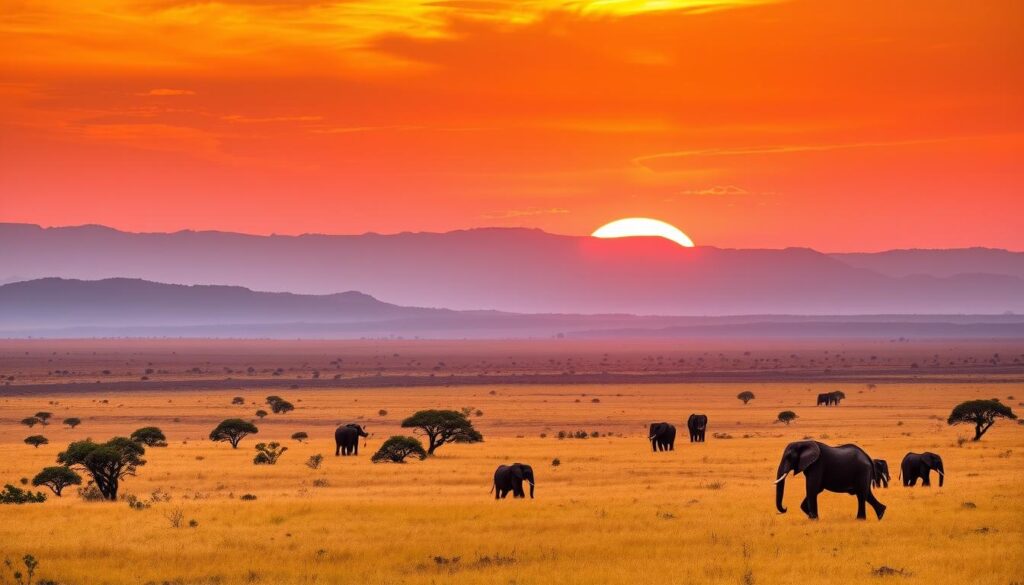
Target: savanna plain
607,508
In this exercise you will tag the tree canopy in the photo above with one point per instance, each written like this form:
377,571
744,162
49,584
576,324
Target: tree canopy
787,416
746,396
56,478
397,448
233,430
282,406
36,440
30,421
73,421
150,437
443,426
981,413
108,463
44,417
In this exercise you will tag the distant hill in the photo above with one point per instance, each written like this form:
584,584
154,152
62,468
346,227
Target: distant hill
121,307
531,271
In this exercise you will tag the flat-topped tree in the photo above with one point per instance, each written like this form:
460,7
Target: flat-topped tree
787,416
56,478
233,430
443,426
30,421
981,413
150,437
44,417
397,449
72,422
746,396
282,406
108,463
36,440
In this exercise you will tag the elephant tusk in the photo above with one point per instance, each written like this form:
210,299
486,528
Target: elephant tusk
781,477
651,438
940,473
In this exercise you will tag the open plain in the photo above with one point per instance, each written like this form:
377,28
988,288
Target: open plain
609,511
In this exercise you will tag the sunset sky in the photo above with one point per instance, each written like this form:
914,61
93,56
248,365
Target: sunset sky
837,125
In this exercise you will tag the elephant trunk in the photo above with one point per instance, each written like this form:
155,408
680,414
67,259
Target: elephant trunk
780,486
942,474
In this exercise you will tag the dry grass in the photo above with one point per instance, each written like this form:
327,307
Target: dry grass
611,512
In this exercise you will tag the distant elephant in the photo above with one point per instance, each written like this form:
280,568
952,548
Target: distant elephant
346,439
845,469
698,425
662,436
835,397
880,478
509,478
824,399
920,465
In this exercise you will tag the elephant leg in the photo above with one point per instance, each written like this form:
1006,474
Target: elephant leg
804,508
879,507
356,448
926,480
861,515
812,501
337,449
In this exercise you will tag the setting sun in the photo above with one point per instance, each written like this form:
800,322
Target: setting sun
643,226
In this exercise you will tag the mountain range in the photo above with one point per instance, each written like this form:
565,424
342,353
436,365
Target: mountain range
531,271
120,307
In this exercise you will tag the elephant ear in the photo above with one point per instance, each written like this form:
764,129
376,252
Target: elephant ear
808,455
517,471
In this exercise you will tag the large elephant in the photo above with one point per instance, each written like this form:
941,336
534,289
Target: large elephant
825,399
509,478
845,469
881,477
346,439
698,425
662,436
920,465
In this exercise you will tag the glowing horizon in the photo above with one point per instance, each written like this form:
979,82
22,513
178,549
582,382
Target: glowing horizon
631,227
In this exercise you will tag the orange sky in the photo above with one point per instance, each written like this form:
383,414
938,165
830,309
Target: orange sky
837,125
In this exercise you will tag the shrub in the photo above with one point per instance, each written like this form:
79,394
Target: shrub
36,440
300,436
108,463
15,495
91,493
382,412
315,461
981,413
247,497
556,462
261,413
150,437
746,396
786,416
443,426
233,430
397,448
268,453
238,400
72,422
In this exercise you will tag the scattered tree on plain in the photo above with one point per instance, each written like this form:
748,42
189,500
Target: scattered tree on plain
787,416
233,430
238,400
746,396
56,478
30,421
268,453
107,463
282,406
300,436
443,426
981,413
72,422
44,417
36,440
150,437
396,449
261,413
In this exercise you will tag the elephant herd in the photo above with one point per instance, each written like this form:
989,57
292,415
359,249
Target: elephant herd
830,398
844,469
662,435
848,469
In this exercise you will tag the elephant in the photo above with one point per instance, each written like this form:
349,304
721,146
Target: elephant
509,478
346,439
662,436
830,398
824,399
845,469
698,425
880,478
919,465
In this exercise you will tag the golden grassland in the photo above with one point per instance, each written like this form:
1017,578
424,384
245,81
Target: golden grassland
611,512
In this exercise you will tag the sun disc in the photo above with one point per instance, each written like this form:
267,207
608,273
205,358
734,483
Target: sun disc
642,226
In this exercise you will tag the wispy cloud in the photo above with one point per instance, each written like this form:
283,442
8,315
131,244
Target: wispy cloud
717,190
166,92
528,212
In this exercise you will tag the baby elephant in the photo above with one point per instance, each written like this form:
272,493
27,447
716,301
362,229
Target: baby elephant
880,476
509,478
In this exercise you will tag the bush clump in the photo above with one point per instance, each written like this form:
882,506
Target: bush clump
396,449
15,495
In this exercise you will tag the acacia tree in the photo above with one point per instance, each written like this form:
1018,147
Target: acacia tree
397,448
746,396
44,417
150,437
443,426
981,413
72,422
787,416
108,463
36,440
233,430
282,406
30,421
56,478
